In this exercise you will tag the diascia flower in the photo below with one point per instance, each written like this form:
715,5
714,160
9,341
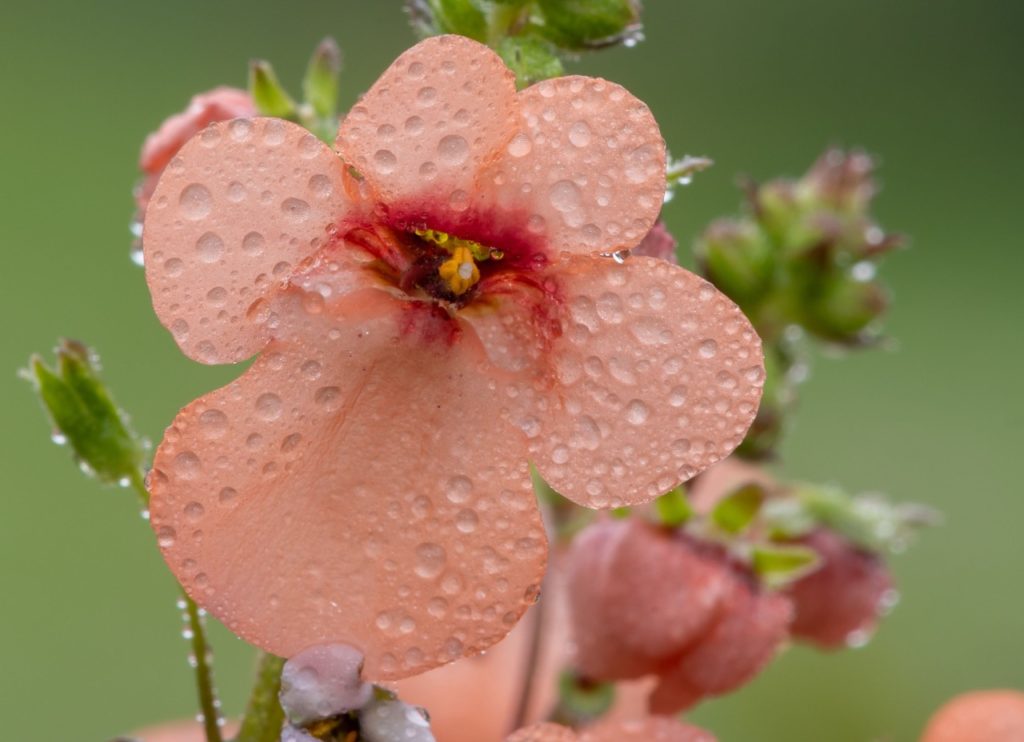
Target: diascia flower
434,306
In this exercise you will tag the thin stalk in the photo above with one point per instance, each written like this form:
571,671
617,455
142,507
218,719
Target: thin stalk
201,651
263,714
532,662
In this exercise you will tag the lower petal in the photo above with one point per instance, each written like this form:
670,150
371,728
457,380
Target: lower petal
354,486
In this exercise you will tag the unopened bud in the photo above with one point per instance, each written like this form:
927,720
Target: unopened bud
738,258
590,24
844,308
267,92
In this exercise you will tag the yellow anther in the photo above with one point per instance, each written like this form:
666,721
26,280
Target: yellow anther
460,271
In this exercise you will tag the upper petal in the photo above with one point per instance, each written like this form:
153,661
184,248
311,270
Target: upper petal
651,729
426,127
356,486
656,376
242,203
586,168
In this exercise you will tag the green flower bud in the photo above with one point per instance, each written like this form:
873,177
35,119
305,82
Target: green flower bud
591,24
433,17
843,308
269,95
738,258
320,85
84,415
532,59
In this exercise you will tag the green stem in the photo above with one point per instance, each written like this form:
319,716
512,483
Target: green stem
197,636
201,657
263,715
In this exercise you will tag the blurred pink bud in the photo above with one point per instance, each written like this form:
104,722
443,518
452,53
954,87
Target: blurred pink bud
980,716
219,104
323,681
658,243
176,731
723,479
638,595
753,625
651,729
840,603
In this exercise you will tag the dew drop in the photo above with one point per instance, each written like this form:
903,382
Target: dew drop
227,495
187,465
453,150
466,520
520,146
459,489
580,134
194,511
295,209
708,348
253,243
565,196
328,397
195,201
384,161
430,560
268,406
213,423
210,247
166,536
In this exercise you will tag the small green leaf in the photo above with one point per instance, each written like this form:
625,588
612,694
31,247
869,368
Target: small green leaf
270,97
84,414
320,85
589,24
532,59
673,508
779,565
734,513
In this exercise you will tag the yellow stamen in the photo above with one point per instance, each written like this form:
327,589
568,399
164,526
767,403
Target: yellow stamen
460,271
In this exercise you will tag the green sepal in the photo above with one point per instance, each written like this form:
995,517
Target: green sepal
672,508
844,307
581,701
322,80
734,513
532,59
779,565
83,413
269,95
589,24
433,17
738,258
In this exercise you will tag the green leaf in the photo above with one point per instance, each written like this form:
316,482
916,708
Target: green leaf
270,97
84,414
589,24
531,58
320,85
736,512
779,565
673,508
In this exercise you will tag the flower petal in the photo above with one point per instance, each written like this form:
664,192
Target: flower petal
433,119
657,375
242,203
544,732
356,485
651,729
587,166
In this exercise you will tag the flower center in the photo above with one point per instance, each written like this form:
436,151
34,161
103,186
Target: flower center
459,272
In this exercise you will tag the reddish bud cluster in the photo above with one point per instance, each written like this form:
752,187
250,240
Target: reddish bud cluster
647,601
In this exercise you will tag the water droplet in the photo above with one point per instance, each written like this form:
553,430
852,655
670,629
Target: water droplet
253,243
321,186
268,406
520,146
328,397
166,536
187,465
453,150
312,370
466,520
236,192
174,267
580,134
241,129
459,489
195,201
708,348
414,125
227,495
384,161
210,247
194,511
430,560
426,97
213,423
295,209
565,196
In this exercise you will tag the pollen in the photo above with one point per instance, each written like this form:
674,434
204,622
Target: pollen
459,272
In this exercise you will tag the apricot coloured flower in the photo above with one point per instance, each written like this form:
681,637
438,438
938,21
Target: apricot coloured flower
650,729
433,307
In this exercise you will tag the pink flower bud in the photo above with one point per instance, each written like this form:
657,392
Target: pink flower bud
840,603
980,716
658,243
219,104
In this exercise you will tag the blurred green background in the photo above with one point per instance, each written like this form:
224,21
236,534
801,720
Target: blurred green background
90,643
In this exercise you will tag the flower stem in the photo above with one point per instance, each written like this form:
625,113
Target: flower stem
530,670
263,715
196,633
201,656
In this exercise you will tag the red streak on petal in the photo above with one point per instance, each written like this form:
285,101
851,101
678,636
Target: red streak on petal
429,323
